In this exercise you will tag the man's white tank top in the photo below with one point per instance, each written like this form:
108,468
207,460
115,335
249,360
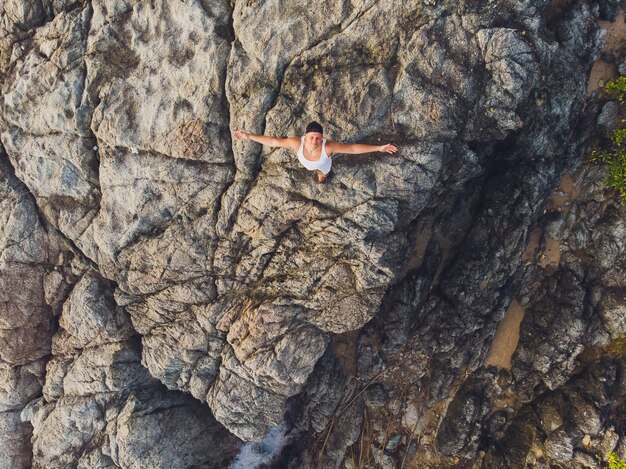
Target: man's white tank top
323,164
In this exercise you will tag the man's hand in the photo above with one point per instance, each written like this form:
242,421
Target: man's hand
389,148
240,134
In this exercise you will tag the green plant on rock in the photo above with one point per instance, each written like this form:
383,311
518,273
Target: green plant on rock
613,153
617,88
614,462
611,461
614,157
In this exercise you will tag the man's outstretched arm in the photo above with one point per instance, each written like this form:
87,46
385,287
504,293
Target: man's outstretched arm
359,148
267,140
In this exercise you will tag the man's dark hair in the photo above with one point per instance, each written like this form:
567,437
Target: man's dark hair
314,127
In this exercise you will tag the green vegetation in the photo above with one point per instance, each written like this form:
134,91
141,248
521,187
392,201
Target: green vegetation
613,153
614,462
617,88
614,157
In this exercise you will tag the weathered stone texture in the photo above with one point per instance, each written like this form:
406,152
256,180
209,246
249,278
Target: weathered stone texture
160,279
27,255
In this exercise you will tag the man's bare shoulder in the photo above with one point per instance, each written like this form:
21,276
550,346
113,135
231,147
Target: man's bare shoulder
293,142
333,147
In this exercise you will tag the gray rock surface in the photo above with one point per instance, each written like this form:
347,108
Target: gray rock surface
586,311
607,119
102,408
28,255
168,291
579,433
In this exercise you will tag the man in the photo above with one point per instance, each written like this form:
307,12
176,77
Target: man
313,150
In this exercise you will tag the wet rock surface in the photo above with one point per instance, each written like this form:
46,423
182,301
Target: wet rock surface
169,292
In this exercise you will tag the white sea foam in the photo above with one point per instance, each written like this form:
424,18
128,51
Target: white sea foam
254,454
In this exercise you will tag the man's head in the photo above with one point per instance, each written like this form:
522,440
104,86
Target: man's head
314,134
314,127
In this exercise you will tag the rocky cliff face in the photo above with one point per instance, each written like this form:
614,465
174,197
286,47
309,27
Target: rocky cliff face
170,293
